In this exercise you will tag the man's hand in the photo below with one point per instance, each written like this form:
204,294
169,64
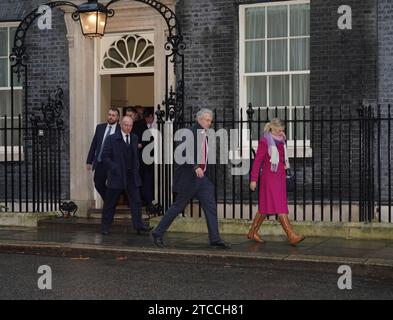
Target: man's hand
88,167
253,186
199,172
140,145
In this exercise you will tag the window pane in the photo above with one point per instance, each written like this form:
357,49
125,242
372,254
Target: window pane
255,23
4,72
256,91
12,135
3,42
5,102
300,20
279,91
277,21
277,59
255,56
302,123
12,35
300,54
301,90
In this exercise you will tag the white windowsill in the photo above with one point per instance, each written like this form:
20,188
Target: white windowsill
11,152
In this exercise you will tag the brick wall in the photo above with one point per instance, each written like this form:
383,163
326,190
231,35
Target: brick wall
343,72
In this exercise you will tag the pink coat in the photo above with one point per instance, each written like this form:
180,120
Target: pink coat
272,186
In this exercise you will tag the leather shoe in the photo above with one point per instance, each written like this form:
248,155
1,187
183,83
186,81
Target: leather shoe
220,245
158,242
105,232
144,229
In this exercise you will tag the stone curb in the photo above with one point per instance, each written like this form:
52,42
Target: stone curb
374,268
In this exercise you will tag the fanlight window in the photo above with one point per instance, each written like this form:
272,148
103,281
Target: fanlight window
131,51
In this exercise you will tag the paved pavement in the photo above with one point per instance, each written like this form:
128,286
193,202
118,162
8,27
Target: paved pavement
76,239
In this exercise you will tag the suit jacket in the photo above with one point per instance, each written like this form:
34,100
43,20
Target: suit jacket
184,176
96,144
116,160
139,128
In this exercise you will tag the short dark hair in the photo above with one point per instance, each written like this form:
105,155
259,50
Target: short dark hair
115,110
131,109
147,112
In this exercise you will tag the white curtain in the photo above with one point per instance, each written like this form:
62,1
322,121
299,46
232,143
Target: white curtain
256,89
5,109
279,91
277,55
4,72
255,23
277,21
255,56
300,20
5,102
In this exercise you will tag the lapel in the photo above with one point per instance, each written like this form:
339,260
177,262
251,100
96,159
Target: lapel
102,132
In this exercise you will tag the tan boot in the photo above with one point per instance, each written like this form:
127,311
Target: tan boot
293,238
256,224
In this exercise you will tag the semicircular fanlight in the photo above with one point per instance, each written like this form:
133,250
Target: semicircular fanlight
132,51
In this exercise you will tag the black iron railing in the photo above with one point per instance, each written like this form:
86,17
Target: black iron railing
30,159
341,157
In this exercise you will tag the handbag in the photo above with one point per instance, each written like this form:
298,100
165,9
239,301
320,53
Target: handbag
290,180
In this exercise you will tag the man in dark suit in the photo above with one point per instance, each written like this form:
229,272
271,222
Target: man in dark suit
146,170
192,180
94,158
121,158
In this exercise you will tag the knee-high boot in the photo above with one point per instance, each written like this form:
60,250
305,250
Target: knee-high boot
293,238
256,224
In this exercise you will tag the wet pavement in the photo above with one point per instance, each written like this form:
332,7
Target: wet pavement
79,239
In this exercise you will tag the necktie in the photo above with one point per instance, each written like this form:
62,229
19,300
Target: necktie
203,162
127,139
103,140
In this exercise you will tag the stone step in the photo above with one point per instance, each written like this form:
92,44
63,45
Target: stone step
121,214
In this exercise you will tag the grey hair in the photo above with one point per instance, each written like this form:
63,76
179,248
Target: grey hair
203,111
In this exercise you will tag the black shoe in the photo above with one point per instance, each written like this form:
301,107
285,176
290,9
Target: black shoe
220,245
144,229
158,242
105,232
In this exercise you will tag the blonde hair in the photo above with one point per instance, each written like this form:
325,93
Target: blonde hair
275,123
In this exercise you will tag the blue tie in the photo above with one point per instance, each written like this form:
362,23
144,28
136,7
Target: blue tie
102,145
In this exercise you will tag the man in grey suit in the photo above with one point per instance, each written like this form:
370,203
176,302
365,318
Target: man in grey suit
192,180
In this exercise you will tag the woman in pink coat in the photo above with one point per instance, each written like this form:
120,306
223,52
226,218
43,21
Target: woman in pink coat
272,157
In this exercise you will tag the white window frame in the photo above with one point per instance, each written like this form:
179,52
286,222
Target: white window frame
15,149
243,103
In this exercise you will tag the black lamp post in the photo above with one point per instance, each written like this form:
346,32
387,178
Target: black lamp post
93,17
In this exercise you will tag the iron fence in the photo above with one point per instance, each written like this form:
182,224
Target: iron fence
30,163
341,158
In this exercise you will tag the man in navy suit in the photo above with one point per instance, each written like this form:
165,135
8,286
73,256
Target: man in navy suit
146,170
94,159
193,180
121,158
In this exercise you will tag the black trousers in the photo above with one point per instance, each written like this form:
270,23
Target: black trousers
100,176
134,201
204,192
147,175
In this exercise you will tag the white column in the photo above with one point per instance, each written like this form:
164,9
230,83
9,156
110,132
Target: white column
82,122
